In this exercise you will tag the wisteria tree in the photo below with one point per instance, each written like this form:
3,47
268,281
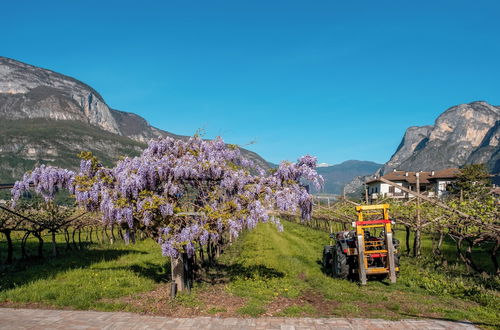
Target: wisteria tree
183,192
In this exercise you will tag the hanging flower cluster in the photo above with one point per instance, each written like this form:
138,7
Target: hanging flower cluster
47,181
182,191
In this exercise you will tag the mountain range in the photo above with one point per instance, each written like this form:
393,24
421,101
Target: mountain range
337,176
47,117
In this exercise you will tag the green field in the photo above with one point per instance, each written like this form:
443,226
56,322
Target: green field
263,273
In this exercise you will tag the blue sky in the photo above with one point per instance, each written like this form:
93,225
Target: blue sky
336,79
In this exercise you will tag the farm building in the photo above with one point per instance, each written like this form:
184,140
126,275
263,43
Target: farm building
432,184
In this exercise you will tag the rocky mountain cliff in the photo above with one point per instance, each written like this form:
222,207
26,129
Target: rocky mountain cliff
463,134
28,92
47,117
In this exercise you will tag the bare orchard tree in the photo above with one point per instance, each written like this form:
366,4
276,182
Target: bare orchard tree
9,222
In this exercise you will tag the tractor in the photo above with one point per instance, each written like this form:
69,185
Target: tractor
360,253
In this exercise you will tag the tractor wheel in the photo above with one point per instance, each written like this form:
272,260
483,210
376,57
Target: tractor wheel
340,266
327,259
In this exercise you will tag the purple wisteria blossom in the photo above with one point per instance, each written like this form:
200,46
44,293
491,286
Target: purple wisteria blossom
182,192
46,180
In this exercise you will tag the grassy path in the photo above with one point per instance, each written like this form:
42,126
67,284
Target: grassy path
291,261
264,273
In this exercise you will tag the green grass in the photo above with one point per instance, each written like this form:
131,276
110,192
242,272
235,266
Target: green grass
296,311
448,250
87,279
287,264
263,267
215,310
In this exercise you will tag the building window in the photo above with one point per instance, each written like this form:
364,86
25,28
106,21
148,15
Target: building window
391,189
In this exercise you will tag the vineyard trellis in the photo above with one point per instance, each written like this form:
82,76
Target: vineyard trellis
29,221
191,196
473,223
199,233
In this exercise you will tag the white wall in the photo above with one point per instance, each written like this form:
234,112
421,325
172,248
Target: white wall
380,188
441,187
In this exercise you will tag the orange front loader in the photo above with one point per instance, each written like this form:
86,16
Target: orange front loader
370,248
361,252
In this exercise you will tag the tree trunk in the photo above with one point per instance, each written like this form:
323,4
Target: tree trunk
416,243
178,274
470,259
23,245
438,253
209,251
73,238
66,238
99,239
408,250
10,248
466,258
54,244
202,256
493,254
217,251
440,242
106,232
40,243
417,239
80,238
113,238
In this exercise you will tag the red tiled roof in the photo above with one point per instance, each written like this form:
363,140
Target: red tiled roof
425,177
448,173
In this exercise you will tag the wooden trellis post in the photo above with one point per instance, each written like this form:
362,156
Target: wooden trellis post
416,242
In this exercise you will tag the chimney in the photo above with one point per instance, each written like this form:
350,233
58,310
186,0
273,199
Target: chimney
406,173
432,173
394,170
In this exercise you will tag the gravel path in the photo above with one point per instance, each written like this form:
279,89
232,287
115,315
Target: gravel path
11,318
